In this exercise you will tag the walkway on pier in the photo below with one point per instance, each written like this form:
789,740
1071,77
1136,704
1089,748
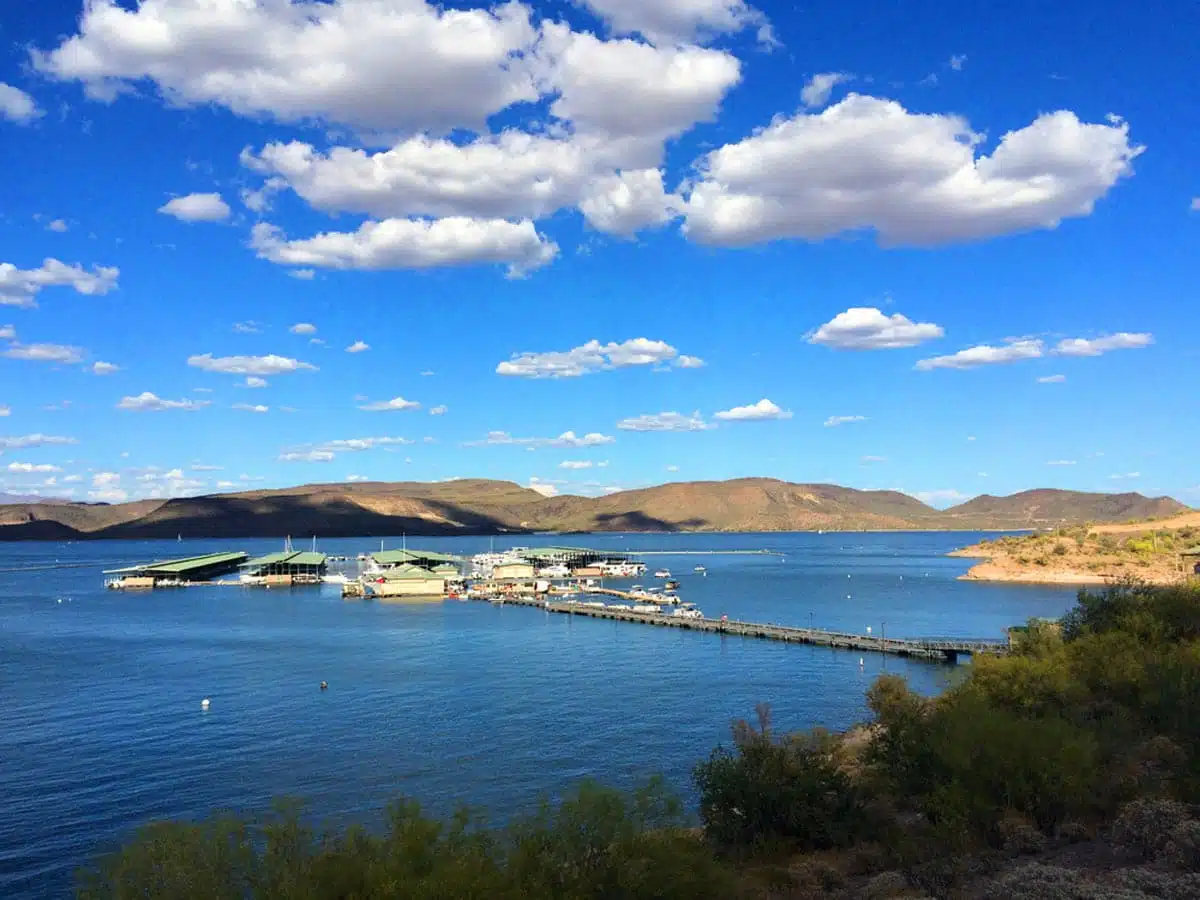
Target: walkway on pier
941,649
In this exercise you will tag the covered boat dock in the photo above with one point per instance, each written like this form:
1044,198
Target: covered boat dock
288,567
176,571
426,559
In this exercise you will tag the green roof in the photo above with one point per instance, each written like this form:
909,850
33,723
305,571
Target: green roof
445,569
407,572
289,558
183,566
394,557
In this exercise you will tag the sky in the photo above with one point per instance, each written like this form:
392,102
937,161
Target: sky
600,245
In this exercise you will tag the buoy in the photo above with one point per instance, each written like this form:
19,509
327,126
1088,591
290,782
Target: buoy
204,703
324,685
860,662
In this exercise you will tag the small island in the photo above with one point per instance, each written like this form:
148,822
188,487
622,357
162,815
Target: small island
1156,552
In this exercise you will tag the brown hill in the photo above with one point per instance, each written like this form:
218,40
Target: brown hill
1046,508
479,506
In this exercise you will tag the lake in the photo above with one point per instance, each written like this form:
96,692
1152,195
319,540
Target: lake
448,702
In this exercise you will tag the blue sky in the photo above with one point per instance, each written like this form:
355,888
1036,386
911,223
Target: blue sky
592,246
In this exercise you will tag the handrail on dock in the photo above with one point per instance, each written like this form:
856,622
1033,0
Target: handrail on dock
946,650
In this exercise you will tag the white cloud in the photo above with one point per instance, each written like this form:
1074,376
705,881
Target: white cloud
867,164
303,274
358,347
545,488
576,464
627,202
306,456
353,445
5,410
689,362
253,381
834,421
427,373
984,355
679,21
148,402
672,468
104,368
303,328
25,468
665,421
396,403
1126,475
592,357
439,410
16,105
1096,346
20,287
105,479
221,485
1195,207
940,498
337,61
566,439
867,328
247,328
72,479
762,410
201,467
353,478
1061,462
1052,379
58,226
24,442
8,333
251,407
53,353
248,365
874,459
412,244
197,208
958,61
817,89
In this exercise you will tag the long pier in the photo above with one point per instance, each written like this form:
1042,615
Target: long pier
941,650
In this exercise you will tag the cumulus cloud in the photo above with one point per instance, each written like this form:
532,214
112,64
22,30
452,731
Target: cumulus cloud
672,468
253,381
58,226
197,208
627,202
249,365
545,488
358,347
665,421
940,498
25,468
817,89
396,403
149,402
689,362
104,368
303,274
1052,379
412,244
247,328
53,353
566,439
326,451
5,410
834,421
868,164
251,407
439,410
985,355
680,21
868,328
306,456
593,357
756,412
576,464
17,106
354,478
20,287
303,328
1126,475
1096,346
8,333
24,442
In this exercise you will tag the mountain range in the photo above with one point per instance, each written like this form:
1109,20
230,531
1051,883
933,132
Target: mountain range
478,506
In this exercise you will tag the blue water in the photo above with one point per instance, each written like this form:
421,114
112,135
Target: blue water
449,702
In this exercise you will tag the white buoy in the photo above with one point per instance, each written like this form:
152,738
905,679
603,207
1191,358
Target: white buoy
204,703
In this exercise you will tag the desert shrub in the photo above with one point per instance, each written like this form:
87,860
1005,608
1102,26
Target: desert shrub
1183,849
1020,836
884,885
766,791
1185,887
1038,882
1145,827
1060,549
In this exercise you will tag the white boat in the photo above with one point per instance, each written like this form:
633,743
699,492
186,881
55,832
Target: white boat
663,573
700,569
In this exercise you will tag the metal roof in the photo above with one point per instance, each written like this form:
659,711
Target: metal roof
393,557
289,558
407,572
183,566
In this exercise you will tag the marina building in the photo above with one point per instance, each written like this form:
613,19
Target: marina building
406,580
288,567
176,572
426,559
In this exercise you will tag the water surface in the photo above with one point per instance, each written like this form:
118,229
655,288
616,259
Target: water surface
449,702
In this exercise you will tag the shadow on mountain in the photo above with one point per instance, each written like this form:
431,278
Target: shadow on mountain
40,530
230,517
639,521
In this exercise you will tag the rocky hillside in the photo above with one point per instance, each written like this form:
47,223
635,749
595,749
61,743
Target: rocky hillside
478,506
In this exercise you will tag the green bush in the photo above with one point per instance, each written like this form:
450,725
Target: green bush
766,792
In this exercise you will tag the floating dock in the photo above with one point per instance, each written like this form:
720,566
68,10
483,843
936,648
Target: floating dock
941,650
176,572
